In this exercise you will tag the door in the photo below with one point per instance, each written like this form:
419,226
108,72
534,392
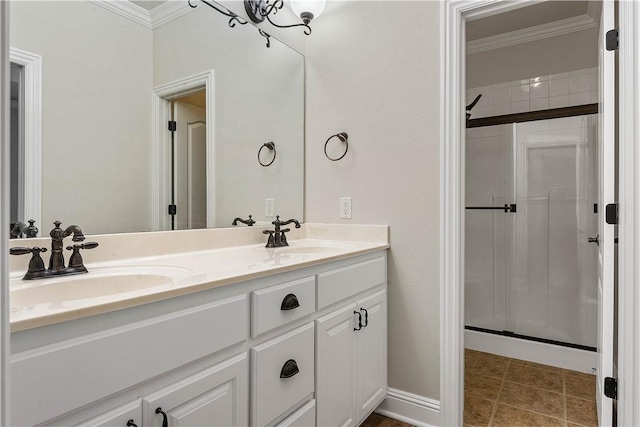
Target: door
335,375
606,176
371,353
216,396
555,294
190,169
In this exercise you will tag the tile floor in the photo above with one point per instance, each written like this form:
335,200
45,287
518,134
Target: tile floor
500,391
504,392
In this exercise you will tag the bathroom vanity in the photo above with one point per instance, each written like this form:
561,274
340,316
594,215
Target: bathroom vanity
238,335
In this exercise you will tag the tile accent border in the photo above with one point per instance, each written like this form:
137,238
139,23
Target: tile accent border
410,408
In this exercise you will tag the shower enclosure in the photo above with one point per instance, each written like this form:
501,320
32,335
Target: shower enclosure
531,230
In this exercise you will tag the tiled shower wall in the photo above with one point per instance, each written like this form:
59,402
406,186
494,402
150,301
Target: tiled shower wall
577,87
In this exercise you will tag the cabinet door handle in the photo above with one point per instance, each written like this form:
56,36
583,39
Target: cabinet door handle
289,369
165,421
359,320
131,423
366,317
290,302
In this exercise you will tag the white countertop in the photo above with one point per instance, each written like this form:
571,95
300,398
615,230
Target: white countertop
117,284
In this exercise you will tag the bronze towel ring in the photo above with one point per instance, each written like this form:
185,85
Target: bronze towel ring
342,136
271,146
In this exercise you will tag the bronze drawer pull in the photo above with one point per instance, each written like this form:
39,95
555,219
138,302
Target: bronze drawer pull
289,369
290,302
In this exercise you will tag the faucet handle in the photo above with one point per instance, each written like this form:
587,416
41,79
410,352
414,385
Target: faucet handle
76,261
24,251
88,245
31,231
270,241
36,264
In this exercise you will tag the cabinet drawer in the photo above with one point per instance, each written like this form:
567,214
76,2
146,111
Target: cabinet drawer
282,374
336,285
303,417
119,416
281,304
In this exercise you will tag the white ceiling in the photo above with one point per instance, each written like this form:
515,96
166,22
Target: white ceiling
530,16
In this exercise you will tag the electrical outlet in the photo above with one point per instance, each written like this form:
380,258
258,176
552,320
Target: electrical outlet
268,207
345,207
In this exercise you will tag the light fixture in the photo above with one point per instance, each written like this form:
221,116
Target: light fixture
307,9
259,10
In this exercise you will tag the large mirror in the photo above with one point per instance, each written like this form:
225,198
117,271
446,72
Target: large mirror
96,149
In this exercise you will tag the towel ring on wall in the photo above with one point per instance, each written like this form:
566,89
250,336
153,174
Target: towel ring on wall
342,136
271,146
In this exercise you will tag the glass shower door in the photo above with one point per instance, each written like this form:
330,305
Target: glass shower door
488,226
555,292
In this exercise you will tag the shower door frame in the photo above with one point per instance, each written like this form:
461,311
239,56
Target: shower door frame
454,14
518,191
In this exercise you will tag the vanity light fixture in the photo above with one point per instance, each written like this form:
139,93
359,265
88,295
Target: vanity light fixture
259,10
223,10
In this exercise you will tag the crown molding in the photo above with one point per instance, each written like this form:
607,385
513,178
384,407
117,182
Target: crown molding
128,10
539,32
168,11
154,18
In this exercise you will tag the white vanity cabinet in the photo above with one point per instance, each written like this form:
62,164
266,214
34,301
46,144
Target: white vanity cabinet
351,350
274,350
351,346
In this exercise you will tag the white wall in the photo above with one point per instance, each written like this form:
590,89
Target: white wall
96,113
374,74
561,54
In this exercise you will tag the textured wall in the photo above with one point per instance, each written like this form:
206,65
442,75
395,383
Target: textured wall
376,76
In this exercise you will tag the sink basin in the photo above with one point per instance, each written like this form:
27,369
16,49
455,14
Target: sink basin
98,283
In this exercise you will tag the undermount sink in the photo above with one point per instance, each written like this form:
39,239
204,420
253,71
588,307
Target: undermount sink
99,283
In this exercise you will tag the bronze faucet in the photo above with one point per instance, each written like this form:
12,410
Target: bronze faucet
56,259
249,221
277,237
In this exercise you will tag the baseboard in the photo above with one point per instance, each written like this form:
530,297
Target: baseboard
532,351
410,408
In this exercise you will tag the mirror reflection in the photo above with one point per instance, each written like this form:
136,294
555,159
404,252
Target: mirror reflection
95,92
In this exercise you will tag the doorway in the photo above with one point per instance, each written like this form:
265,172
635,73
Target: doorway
189,166
183,154
456,15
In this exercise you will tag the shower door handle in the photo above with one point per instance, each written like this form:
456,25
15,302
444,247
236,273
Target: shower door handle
595,240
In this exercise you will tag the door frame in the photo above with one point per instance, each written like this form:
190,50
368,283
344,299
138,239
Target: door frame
5,145
454,14
629,214
31,139
161,145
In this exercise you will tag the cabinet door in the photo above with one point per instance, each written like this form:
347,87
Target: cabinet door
335,373
216,396
122,416
371,353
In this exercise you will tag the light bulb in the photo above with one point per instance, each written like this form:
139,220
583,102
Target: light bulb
307,9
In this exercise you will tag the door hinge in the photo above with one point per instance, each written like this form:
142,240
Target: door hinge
173,126
172,209
612,39
611,387
611,213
